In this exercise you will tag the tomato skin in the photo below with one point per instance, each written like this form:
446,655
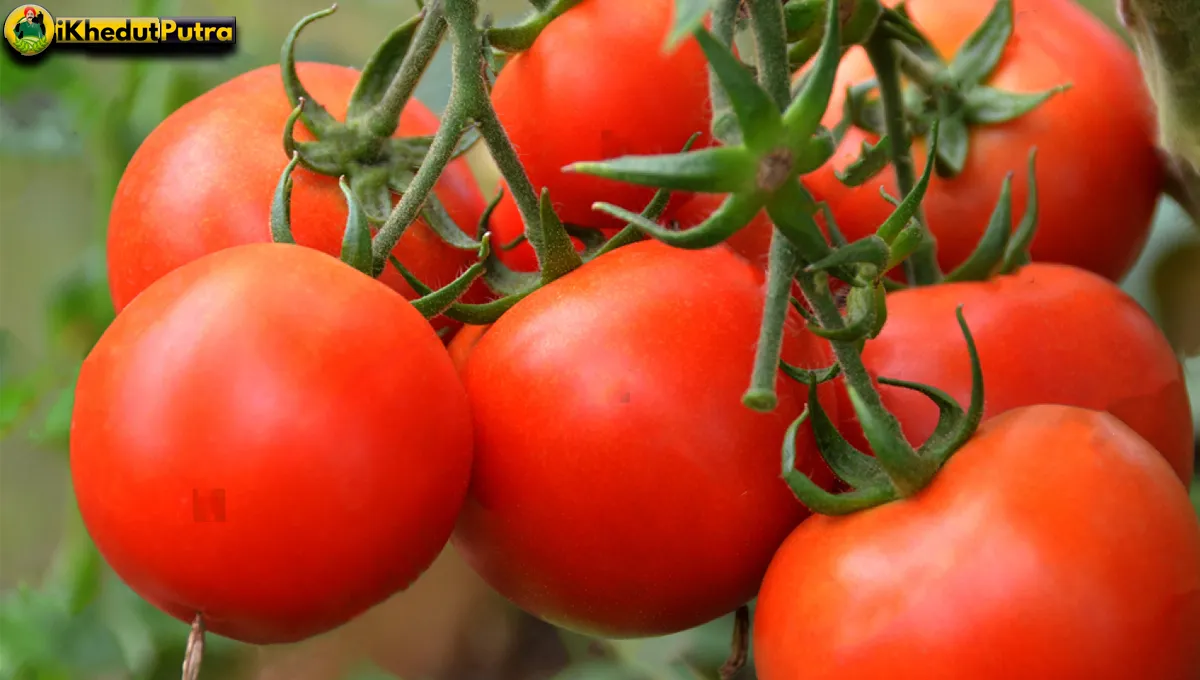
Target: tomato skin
1099,175
316,399
1055,545
204,180
597,85
1049,334
463,344
620,488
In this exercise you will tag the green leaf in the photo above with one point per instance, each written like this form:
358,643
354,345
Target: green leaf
281,205
803,19
381,68
689,16
804,114
988,255
444,226
757,115
714,170
872,159
557,255
1017,253
952,148
356,243
868,250
981,51
907,208
986,105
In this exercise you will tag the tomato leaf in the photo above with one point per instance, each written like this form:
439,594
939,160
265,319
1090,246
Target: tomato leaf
952,149
850,465
872,159
1017,253
896,23
803,18
381,67
281,205
818,500
435,302
318,120
356,243
734,213
981,51
714,170
907,209
867,250
444,226
988,255
986,105
804,113
757,115
689,16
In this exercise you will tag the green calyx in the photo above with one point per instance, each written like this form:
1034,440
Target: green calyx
362,148
951,92
804,21
897,470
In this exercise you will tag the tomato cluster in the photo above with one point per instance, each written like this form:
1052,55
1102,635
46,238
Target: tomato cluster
275,441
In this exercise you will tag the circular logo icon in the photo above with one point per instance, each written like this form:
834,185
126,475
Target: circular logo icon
29,29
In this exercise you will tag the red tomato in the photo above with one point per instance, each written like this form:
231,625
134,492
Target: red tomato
1056,544
204,180
620,487
1096,198
1049,334
272,439
596,84
463,344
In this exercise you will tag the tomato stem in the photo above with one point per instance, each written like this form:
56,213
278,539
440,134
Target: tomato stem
922,266
739,648
771,49
194,654
724,18
383,119
521,36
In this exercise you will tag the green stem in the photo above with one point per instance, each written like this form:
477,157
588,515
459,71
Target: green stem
921,266
724,17
441,151
385,117
521,36
909,473
509,164
770,40
783,261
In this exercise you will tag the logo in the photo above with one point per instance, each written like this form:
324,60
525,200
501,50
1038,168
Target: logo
29,29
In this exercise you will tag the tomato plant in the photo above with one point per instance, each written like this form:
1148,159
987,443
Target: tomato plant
597,84
1095,142
1048,334
619,487
270,439
1055,544
205,177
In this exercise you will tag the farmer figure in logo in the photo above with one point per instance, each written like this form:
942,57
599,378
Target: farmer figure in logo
32,26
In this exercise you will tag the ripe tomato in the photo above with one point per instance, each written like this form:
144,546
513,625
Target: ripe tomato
596,84
463,344
269,438
204,180
1096,198
1049,334
1055,544
620,487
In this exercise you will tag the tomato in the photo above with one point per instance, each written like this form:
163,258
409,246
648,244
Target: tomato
463,344
620,487
1098,173
597,84
204,180
1056,544
269,438
1049,334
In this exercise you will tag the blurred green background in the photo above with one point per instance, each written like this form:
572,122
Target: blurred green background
67,127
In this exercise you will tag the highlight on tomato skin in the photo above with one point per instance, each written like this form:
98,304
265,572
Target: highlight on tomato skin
205,177
1055,544
238,450
614,463
1099,172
